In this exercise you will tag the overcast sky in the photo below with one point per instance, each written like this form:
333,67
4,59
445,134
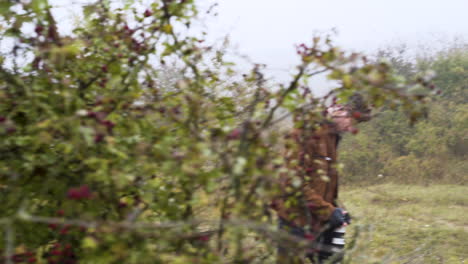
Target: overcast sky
267,30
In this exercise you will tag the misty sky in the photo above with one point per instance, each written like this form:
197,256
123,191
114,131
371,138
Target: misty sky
267,30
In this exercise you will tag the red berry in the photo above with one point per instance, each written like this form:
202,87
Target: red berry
108,124
11,130
176,110
99,138
17,258
32,260
104,68
53,226
101,115
148,13
60,212
128,30
354,130
92,114
39,29
357,115
64,230
2,119
85,192
274,204
309,237
204,238
82,192
72,194
56,252
235,134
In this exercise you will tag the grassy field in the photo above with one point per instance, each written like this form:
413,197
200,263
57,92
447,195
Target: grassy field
408,224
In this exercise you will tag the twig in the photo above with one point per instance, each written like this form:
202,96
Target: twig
292,86
9,240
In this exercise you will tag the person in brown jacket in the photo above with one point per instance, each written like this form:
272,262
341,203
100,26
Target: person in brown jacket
308,206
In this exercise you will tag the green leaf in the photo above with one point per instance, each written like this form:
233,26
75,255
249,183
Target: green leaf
87,134
88,10
38,5
5,7
89,242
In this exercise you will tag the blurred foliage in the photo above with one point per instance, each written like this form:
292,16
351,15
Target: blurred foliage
433,150
117,140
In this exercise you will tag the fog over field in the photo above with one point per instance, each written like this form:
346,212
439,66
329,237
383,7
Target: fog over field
267,30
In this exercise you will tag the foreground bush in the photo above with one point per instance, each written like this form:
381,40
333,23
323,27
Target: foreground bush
104,162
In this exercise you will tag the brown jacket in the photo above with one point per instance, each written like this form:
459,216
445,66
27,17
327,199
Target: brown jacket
310,191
